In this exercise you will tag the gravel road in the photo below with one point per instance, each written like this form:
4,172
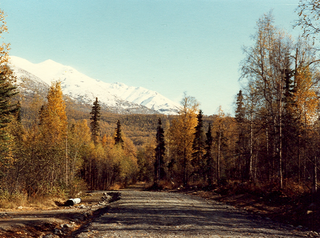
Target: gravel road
161,214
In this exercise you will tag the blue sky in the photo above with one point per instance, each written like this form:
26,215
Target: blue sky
169,46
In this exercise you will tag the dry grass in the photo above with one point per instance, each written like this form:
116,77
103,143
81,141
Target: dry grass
76,187
40,201
116,187
12,201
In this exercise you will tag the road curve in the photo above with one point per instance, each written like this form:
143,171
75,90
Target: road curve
160,214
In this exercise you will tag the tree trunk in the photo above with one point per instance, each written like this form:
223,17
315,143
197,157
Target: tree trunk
251,150
66,162
185,182
315,176
280,138
219,157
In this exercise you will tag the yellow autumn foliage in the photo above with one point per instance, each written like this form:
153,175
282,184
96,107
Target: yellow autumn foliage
305,98
181,136
53,116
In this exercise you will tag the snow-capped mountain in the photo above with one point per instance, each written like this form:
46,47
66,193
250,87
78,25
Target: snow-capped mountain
117,97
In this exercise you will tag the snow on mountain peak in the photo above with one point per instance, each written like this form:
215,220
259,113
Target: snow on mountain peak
85,89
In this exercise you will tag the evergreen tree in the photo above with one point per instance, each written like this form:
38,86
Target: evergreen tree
7,91
118,137
240,111
242,142
209,156
198,147
18,113
95,118
160,152
289,125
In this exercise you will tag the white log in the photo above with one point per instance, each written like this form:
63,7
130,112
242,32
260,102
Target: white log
73,201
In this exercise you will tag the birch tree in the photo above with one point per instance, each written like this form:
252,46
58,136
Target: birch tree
264,67
309,13
53,129
181,134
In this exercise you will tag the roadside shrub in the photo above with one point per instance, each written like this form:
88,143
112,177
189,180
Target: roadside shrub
293,188
12,200
76,187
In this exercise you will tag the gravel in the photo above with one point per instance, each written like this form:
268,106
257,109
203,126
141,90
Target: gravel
161,214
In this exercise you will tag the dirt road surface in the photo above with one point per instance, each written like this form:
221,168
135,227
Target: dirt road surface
161,214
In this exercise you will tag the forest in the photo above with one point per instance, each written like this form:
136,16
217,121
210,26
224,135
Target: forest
49,148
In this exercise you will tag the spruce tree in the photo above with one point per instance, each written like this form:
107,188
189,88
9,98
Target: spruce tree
290,133
242,141
95,118
18,112
198,147
7,110
160,152
118,137
7,91
240,111
209,156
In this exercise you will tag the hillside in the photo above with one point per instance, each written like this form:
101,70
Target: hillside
113,97
140,128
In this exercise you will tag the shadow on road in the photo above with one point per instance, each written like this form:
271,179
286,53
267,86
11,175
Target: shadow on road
141,212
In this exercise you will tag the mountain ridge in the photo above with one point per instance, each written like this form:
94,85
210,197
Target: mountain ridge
117,97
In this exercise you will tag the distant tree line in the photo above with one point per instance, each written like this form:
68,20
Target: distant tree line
186,152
